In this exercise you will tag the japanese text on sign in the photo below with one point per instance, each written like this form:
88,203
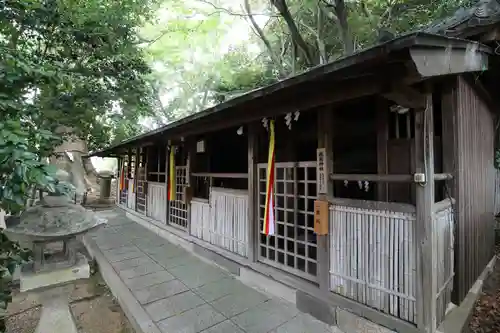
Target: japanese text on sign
321,170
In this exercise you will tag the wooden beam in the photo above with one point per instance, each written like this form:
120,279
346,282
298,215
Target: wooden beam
373,178
253,193
303,99
423,234
386,178
406,96
373,205
491,35
325,140
221,175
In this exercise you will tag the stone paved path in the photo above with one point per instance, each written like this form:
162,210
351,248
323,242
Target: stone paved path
183,294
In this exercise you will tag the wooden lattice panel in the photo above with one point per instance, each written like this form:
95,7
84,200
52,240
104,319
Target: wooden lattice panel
177,209
141,189
293,247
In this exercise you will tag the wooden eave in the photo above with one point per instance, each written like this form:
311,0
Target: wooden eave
388,69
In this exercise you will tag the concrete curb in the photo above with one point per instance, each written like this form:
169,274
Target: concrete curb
457,320
138,317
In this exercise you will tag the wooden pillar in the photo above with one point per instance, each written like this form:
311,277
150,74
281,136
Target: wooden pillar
127,177
117,189
191,158
253,190
129,153
423,231
136,174
449,150
382,138
325,140
145,180
167,175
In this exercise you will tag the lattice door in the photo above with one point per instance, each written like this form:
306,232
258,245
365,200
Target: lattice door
177,210
123,196
141,188
293,247
123,192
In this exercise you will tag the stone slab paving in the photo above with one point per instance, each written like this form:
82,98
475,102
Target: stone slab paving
183,294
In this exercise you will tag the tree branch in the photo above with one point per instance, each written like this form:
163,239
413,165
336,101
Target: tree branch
149,42
262,36
227,11
282,8
340,10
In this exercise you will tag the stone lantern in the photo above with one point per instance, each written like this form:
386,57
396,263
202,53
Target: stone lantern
54,220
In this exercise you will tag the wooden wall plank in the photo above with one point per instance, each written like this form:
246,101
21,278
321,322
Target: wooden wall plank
474,186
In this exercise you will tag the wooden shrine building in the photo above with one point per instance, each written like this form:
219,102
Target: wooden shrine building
396,141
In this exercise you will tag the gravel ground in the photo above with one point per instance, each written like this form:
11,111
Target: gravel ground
486,316
92,304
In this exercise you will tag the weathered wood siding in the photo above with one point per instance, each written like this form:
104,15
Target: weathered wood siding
497,192
225,225
443,231
157,201
200,219
372,255
474,187
131,194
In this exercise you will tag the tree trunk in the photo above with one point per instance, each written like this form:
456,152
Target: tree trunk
282,8
276,60
345,34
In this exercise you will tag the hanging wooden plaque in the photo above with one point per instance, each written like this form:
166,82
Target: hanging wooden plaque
321,217
321,171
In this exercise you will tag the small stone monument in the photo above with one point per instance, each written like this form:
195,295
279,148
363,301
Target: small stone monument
105,178
54,220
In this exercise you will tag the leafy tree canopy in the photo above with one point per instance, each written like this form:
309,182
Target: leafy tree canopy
284,38
64,64
74,63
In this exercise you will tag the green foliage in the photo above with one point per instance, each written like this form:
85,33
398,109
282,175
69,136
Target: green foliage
21,174
21,169
67,67
195,68
239,74
185,47
11,255
76,64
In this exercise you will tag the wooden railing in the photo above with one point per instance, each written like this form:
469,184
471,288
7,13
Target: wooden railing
372,255
222,220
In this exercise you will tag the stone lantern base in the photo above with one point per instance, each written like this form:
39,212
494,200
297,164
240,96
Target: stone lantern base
54,287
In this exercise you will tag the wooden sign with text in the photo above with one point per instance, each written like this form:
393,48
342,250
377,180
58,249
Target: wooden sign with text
321,212
321,171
